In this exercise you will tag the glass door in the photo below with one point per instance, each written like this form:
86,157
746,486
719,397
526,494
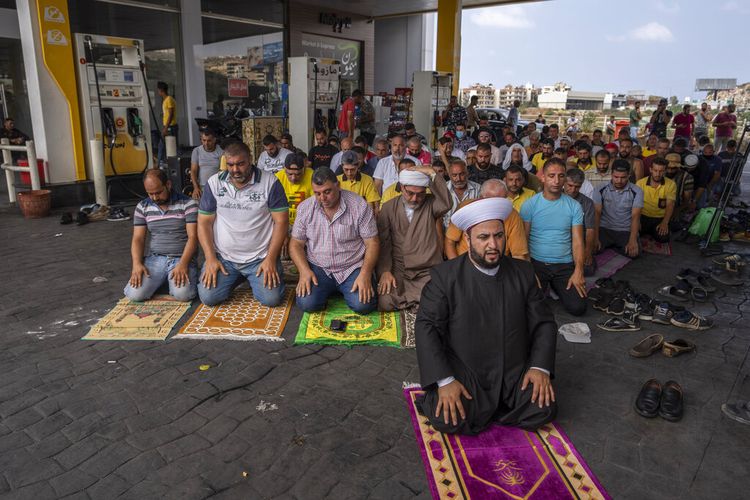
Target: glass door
14,99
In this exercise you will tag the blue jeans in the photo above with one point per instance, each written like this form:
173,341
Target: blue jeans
318,297
225,284
162,148
159,267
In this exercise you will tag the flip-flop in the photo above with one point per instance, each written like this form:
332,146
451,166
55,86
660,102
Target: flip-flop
673,292
727,278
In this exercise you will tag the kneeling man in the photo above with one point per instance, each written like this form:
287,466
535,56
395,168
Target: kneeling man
339,229
485,336
171,219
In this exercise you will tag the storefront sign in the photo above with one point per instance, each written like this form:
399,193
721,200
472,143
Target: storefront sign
349,52
237,87
335,21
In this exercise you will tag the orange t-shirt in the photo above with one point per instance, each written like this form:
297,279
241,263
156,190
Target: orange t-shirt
516,244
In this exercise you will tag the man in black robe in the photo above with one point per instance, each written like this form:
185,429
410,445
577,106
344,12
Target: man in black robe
485,336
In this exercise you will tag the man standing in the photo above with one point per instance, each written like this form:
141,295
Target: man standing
515,233
635,120
366,120
463,140
683,124
459,187
702,119
348,115
599,176
322,153
484,169
204,162
513,116
618,212
660,119
707,176
386,173
554,225
725,123
410,243
411,131
355,181
574,179
169,119
659,197
515,179
454,114
272,158
170,219
684,185
471,112
339,231
485,337
242,223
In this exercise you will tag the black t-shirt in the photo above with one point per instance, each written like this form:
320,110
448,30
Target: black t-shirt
320,156
479,176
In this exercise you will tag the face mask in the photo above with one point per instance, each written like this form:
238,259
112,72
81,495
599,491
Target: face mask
460,134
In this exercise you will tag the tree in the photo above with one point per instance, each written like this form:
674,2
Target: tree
588,122
673,100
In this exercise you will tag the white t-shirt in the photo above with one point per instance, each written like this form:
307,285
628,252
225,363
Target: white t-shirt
387,170
208,162
269,163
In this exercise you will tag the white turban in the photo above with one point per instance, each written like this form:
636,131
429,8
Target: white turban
413,178
482,210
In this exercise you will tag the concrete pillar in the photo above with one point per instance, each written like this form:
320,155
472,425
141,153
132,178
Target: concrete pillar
448,52
195,80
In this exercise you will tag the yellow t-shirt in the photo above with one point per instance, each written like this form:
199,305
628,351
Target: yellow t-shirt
538,161
389,194
646,152
655,199
296,193
365,187
519,200
169,104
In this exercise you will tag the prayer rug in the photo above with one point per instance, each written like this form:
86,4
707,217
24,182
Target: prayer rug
502,462
291,274
409,317
650,245
150,320
376,328
607,264
241,317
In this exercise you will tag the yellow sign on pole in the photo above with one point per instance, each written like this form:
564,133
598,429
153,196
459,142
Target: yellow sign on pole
57,51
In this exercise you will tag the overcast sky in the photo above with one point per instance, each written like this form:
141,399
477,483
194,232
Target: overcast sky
660,46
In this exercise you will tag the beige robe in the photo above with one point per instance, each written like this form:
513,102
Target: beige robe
410,250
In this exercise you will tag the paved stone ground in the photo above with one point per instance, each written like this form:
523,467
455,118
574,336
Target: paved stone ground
85,419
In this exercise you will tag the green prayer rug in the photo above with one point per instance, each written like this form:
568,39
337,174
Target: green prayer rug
376,328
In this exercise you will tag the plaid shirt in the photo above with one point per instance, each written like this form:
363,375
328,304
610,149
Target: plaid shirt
336,245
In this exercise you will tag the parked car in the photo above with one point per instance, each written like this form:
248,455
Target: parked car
498,118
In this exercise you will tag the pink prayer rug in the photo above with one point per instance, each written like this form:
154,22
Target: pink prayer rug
502,462
607,264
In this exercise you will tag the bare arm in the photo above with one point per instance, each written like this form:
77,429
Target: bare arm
527,227
138,245
297,253
378,186
579,246
449,248
206,235
191,247
638,169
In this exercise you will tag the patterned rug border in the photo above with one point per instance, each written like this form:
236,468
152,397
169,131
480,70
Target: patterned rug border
180,309
288,304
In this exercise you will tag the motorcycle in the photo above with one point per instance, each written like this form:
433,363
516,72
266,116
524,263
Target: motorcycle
227,128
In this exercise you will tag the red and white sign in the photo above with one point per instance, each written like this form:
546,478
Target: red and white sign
237,87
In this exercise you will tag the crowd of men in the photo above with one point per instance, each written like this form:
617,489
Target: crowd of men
377,221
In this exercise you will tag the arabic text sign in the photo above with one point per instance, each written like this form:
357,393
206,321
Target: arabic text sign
237,87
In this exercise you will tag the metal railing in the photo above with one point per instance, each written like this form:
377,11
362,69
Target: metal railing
9,168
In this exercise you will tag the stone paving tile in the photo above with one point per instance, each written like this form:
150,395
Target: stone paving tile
152,425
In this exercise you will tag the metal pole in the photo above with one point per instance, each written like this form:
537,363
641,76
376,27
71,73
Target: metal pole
97,169
33,170
10,177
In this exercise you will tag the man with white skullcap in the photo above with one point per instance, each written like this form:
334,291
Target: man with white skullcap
410,244
485,336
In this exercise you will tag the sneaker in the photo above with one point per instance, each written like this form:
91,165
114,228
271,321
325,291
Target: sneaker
602,303
663,313
616,307
82,218
691,321
100,213
117,215
630,299
645,306
739,411
66,218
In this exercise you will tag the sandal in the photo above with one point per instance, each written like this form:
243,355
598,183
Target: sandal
676,347
699,293
674,292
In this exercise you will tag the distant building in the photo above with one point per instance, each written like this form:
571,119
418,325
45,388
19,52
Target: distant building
557,87
510,93
739,96
572,99
487,95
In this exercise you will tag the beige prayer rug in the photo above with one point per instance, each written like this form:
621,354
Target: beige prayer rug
150,320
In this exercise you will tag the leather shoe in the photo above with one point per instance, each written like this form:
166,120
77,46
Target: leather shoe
676,347
647,346
647,402
671,406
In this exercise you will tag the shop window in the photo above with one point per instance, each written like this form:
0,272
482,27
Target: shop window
244,67
258,10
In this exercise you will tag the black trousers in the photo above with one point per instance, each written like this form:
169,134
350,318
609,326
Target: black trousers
648,226
481,411
557,276
616,240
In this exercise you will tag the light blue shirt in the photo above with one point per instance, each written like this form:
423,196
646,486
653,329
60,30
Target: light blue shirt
550,240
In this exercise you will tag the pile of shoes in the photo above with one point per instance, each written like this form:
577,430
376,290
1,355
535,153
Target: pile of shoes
690,285
629,308
656,342
735,226
665,400
87,213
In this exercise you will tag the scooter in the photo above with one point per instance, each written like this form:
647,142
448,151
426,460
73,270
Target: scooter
227,128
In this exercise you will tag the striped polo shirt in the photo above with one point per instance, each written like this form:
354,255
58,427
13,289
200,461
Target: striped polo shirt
167,227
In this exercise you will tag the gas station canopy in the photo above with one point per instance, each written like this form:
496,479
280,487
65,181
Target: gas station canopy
388,8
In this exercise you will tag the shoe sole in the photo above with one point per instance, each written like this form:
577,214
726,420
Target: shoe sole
733,416
688,326
646,317
609,329
660,321
670,418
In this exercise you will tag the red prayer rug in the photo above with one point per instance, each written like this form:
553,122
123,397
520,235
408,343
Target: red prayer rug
652,246
502,462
